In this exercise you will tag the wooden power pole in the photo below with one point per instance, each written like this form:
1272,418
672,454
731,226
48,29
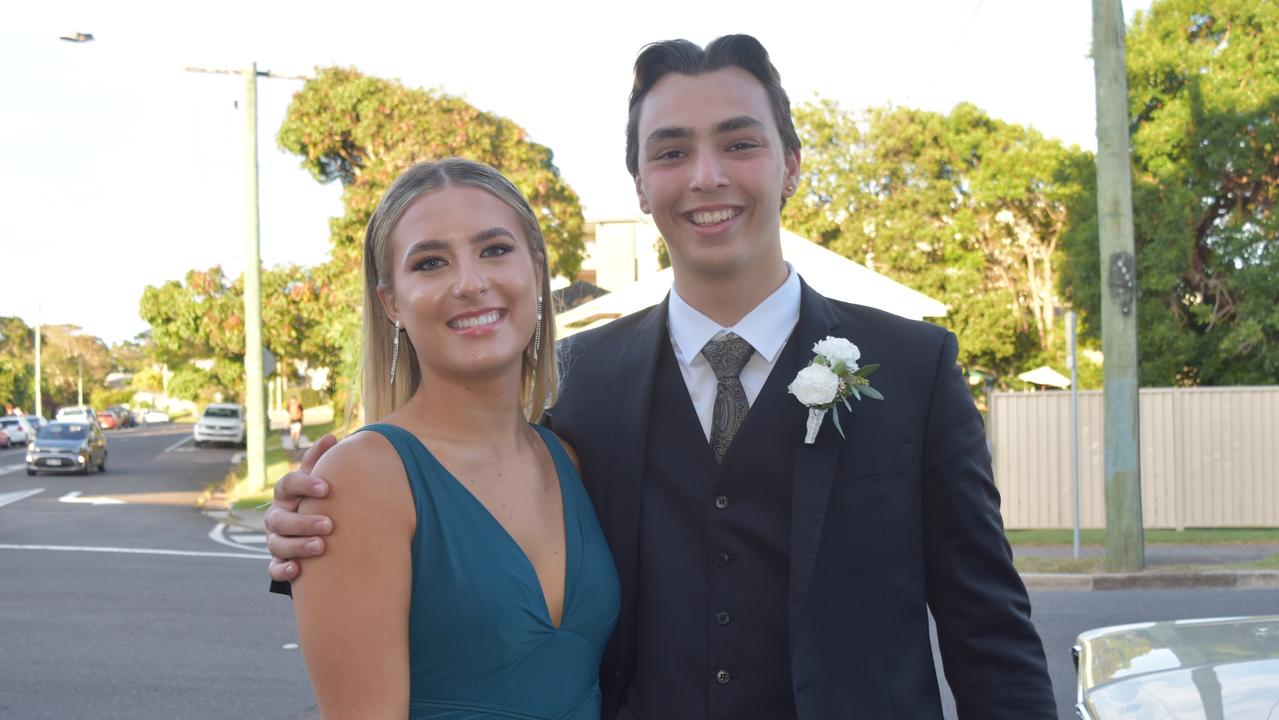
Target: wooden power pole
1125,545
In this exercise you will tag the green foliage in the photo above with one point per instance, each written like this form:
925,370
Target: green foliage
203,319
1203,94
17,370
191,383
962,207
364,132
102,398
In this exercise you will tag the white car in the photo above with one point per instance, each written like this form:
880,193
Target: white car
221,423
18,429
77,413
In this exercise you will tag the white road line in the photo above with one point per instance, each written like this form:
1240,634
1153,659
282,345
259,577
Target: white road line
217,535
133,551
244,538
179,443
74,497
13,497
11,468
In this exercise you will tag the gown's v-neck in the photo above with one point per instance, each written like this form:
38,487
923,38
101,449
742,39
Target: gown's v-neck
481,641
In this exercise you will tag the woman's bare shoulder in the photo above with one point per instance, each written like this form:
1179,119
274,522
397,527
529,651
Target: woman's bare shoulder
364,460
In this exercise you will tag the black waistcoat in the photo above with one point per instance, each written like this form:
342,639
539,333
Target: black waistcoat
714,556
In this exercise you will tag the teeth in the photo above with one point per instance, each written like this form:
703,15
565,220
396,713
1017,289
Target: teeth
710,218
475,321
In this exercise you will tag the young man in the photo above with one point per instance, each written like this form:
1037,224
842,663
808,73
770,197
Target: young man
762,576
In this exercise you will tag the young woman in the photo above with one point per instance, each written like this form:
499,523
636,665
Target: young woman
467,577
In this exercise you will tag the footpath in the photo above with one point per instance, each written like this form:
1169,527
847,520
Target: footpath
1170,565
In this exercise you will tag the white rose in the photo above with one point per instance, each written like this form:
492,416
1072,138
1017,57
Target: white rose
838,350
815,385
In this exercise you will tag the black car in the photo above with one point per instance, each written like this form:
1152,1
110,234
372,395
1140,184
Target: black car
76,447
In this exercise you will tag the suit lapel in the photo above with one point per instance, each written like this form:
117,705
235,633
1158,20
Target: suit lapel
814,464
630,392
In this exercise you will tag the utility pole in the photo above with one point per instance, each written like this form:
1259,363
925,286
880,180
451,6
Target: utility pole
254,380
79,393
1125,544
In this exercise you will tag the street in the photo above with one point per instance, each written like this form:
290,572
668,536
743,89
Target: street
121,600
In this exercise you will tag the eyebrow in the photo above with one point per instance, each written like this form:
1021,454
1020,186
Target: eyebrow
436,245
675,133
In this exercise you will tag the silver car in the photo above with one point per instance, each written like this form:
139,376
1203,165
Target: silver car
18,429
1213,669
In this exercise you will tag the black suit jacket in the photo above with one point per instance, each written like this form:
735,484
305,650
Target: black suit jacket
898,517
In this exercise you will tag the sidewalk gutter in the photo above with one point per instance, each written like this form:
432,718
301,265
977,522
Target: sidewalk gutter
1208,580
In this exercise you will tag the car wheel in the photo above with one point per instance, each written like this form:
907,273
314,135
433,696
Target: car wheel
102,466
30,471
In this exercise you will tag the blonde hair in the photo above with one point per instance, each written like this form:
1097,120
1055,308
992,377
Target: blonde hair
540,376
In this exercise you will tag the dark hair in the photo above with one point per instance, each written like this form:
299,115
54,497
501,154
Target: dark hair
686,58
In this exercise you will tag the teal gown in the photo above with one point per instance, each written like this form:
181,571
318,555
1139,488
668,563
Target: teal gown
481,642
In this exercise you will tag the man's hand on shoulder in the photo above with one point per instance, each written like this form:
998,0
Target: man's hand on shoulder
291,535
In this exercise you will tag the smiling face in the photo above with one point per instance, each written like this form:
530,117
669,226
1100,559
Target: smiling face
463,282
713,171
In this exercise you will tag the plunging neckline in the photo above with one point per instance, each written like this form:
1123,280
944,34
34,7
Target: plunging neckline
519,549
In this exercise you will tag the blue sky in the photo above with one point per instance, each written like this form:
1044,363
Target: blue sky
123,170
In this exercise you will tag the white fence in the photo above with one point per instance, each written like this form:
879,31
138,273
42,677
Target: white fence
1209,457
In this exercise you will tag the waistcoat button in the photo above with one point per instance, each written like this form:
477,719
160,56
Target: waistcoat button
721,559
721,502
722,677
722,617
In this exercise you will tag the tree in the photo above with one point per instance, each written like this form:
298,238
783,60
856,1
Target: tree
17,358
963,207
1203,95
202,319
364,132
68,357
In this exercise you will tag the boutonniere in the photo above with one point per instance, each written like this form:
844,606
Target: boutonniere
829,380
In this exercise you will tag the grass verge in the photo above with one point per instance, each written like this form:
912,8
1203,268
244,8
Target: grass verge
1190,536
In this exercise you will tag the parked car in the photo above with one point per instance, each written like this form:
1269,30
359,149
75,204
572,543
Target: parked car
19,430
68,447
124,416
5,442
155,416
107,420
221,423
1221,668
37,422
76,413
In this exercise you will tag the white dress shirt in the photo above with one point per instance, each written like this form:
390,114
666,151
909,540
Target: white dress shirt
766,328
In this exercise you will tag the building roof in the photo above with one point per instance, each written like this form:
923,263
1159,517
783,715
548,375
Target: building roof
827,272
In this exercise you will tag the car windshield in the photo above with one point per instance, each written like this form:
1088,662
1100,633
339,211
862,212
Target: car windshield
216,412
63,431
10,423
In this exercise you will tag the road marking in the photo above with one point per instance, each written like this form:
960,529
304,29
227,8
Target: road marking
217,535
13,497
74,497
132,551
11,468
245,538
179,443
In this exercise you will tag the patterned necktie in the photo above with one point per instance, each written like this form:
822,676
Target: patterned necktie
727,356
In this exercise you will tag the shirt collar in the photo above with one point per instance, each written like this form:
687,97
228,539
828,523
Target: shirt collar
766,327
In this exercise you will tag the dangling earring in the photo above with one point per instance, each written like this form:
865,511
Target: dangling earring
395,350
537,329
